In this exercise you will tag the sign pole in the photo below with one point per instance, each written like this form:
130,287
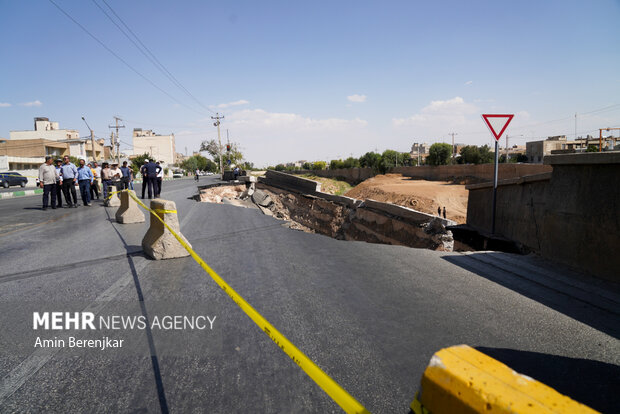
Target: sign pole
497,124
494,187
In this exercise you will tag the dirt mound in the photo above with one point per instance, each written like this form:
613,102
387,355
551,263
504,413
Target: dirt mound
421,195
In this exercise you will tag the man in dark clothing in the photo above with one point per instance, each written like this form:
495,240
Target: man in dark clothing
439,211
68,178
58,185
152,170
444,212
126,176
144,177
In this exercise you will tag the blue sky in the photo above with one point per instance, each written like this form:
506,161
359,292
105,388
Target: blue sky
315,80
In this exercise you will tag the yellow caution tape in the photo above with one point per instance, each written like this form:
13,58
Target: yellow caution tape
345,400
159,210
112,193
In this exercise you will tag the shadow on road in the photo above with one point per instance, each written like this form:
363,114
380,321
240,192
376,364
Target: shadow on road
593,383
159,384
584,306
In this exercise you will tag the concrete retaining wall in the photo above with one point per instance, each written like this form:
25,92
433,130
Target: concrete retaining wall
570,216
347,218
290,182
468,173
352,176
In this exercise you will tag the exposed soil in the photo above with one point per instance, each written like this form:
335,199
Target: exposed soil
421,195
216,194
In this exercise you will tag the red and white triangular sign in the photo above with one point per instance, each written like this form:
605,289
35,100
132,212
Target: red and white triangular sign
497,123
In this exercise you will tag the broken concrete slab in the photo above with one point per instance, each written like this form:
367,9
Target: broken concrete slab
262,198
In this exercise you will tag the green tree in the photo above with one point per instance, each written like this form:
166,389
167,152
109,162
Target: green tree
470,154
280,167
520,158
351,163
306,166
234,155
198,162
592,148
486,155
335,164
371,160
137,162
319,165
439,154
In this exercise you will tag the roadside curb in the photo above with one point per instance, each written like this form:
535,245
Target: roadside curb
22,193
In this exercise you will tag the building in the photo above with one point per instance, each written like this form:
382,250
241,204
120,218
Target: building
48,139
161,147
421,149
537,150
513,151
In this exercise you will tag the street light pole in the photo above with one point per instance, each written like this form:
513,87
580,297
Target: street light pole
92,139
217,118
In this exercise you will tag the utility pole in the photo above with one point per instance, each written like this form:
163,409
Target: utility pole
453,134
418,154
92,139
217,118
506,148
117,141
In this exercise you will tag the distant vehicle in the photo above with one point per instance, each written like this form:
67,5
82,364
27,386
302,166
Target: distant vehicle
209,173
177,175
10,178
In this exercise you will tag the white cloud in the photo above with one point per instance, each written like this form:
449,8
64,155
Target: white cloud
268,138
33,103
357,98
441,117
258,118
4,104
234,103
469,82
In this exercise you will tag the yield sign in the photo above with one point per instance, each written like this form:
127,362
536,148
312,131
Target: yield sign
497,123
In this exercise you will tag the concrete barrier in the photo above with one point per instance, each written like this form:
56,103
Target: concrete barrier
158,242
290,182
129,211
461,379
114,200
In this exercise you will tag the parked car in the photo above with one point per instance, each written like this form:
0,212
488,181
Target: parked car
10,178
177,175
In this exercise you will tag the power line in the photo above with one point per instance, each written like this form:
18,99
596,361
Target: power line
121,59
144,49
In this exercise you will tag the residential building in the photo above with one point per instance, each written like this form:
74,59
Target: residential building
48,139
161,147
421,149
513,151
537,150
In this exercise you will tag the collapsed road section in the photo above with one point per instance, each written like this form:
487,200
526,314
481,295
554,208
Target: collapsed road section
301,202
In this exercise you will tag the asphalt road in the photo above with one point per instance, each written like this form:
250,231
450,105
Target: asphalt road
369,315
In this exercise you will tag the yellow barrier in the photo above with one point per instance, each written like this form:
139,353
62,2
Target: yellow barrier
345,400
461,379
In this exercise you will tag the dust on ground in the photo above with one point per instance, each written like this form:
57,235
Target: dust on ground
421,195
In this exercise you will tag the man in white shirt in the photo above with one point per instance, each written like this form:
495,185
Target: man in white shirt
47,180
160,178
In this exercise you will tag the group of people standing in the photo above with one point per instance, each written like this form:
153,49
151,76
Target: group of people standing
152,177
62,178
